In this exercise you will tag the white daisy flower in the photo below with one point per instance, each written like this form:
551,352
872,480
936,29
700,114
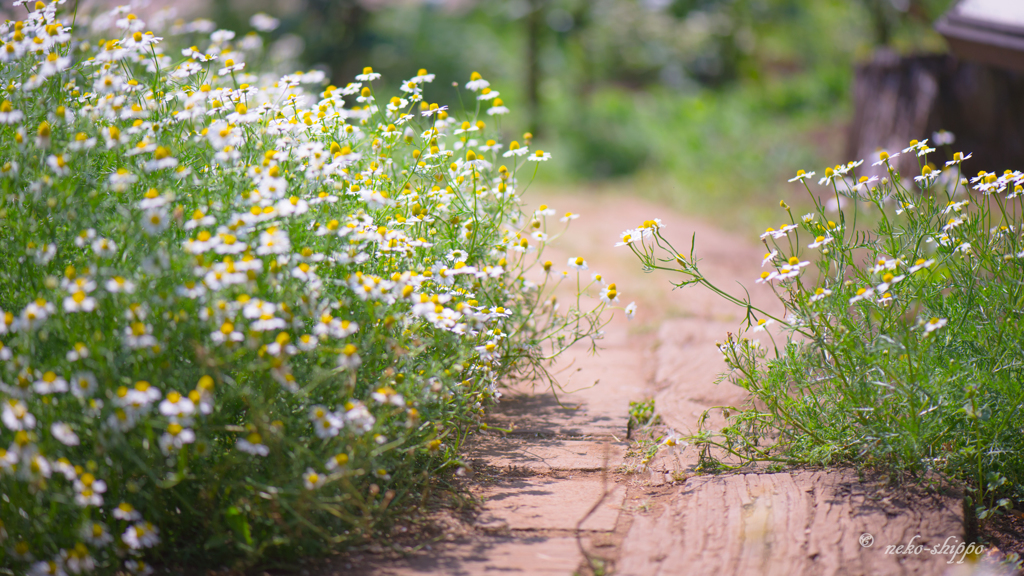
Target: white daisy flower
368,75
820,293
312,480
252,444
934,324
577,263
15,416
801,176
264,22
141,535
64,434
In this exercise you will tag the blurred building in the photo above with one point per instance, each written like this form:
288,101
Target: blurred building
976,91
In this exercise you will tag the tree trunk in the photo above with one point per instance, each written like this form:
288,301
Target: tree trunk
534,28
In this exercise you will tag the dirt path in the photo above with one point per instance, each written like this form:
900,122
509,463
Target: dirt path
561,494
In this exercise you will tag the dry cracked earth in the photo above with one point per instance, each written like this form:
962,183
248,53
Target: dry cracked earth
563,493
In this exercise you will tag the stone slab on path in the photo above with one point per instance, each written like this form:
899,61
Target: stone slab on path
546,454
545,503
688,364
789,524
534,554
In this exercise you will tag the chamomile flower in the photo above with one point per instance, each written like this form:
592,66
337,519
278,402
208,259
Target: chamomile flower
118,284
83,384
89,490
263,22
252,444
498,108
141,535
50,383
139,335
8,115
820,241
515,150
829,178
920,264
176,437
888,280
155,221
137,567
312,479
928,175
79,301
577,263
609,294
885,158
104,247
226,333
326,424
126,512
82,142
958,157
904,206
631,311
628,237
801,175
934,324
422,76
8,459
96,534
122,179
476,82
539,156
862,294
349,357
337,461
78,560
649,227
368,75
59,164
820,294
388,395
34,314
64,434
48,568
15,415
177,406
916,146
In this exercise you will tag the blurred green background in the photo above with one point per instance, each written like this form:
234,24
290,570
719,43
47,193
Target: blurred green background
707,105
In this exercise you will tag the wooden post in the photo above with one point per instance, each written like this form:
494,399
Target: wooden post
898,99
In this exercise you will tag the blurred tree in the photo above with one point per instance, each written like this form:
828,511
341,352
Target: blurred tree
797,54
534,30
888,17
336,34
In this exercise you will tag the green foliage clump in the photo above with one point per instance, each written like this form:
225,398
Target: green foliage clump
245,317
641,415
903,339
